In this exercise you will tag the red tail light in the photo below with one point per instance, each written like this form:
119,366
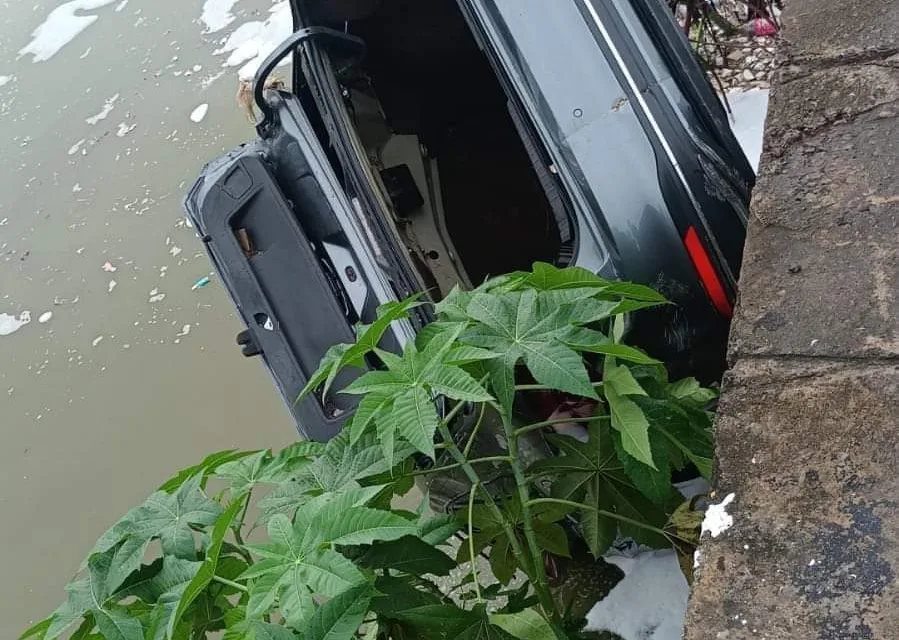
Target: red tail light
707,274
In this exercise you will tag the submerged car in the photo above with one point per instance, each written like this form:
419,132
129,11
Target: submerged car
429,144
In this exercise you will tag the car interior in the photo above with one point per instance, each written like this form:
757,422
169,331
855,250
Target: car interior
471,197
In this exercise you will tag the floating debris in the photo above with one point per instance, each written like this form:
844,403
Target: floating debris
45,317
184,331
111,286
75,148
108,106
199,284
175,251
125,129
5,80
77,188
199,113
97,341
108,267
10,324
155,296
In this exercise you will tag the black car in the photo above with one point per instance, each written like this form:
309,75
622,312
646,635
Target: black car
430,143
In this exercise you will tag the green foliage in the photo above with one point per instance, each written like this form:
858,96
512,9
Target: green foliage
330,559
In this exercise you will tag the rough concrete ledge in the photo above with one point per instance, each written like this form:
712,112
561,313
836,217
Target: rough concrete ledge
807,427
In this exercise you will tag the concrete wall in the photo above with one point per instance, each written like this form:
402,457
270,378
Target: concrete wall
808,428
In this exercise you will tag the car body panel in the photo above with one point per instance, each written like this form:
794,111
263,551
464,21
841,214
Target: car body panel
628,141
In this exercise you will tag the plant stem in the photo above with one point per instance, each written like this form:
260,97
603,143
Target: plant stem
543,387
473,477
456,465
474,431
474,566
238,536
541,585
603,512
548,423
230,583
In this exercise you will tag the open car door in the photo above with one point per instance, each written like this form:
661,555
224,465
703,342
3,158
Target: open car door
300,257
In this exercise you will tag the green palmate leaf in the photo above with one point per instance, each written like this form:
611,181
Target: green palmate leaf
88,594
655,484
687,430
503,562
380,382
557,366
456,384
38,630
502,379
465,354
394,594
370,406
295,557
205,573
127,558
551,537
524,625
416,420
438,620
170,517
628,419
689,390
290,459
114,623
591,472
454,306
620,378
437,529
546,277
408,554
162,575
617,350
263,593
204,469
296,605
599,530
360,525
368,337
242,475
340,617
339,468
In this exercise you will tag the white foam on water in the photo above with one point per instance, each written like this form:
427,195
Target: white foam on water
45,317
5,80
252,41
217,14
76,147
175,251
125,129
108,106
121,6
60,27
199,113
9,324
